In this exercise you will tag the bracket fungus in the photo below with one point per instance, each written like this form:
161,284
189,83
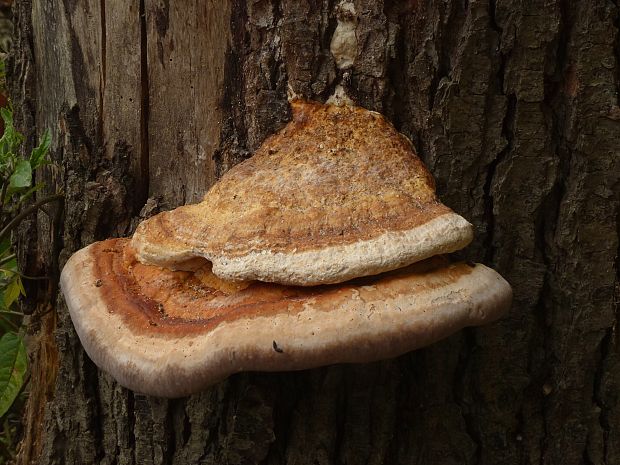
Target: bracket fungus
324,247
172,333
336,194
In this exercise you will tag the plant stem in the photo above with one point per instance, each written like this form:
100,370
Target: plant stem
23,276
7,259
9,322
23,214
5,185
11,312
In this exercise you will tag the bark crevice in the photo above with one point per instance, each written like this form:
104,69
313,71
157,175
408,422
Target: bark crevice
143,182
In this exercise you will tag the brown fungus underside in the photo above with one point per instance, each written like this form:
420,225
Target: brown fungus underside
172,333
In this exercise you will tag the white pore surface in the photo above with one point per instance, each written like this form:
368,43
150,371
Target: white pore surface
391,250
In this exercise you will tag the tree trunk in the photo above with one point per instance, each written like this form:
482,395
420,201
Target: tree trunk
513,105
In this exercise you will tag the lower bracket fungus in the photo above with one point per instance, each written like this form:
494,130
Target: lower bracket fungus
172,333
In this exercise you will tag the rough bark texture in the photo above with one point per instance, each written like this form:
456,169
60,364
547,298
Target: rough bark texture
512,104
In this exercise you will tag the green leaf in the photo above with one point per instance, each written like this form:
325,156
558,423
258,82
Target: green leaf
23,197
37,157
12,292
22,176
5,246
7,324
13,364
11,139
20,284
9,268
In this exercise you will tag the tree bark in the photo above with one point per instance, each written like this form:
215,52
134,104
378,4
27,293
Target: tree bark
513,105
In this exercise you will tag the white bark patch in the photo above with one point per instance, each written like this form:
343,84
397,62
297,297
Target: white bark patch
344,41
340,97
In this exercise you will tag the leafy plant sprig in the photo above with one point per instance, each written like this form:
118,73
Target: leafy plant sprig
16,188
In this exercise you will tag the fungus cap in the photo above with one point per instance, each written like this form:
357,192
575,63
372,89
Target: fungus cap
172,333
336,194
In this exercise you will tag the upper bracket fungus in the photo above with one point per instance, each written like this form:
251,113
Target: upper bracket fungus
321,248
338,193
